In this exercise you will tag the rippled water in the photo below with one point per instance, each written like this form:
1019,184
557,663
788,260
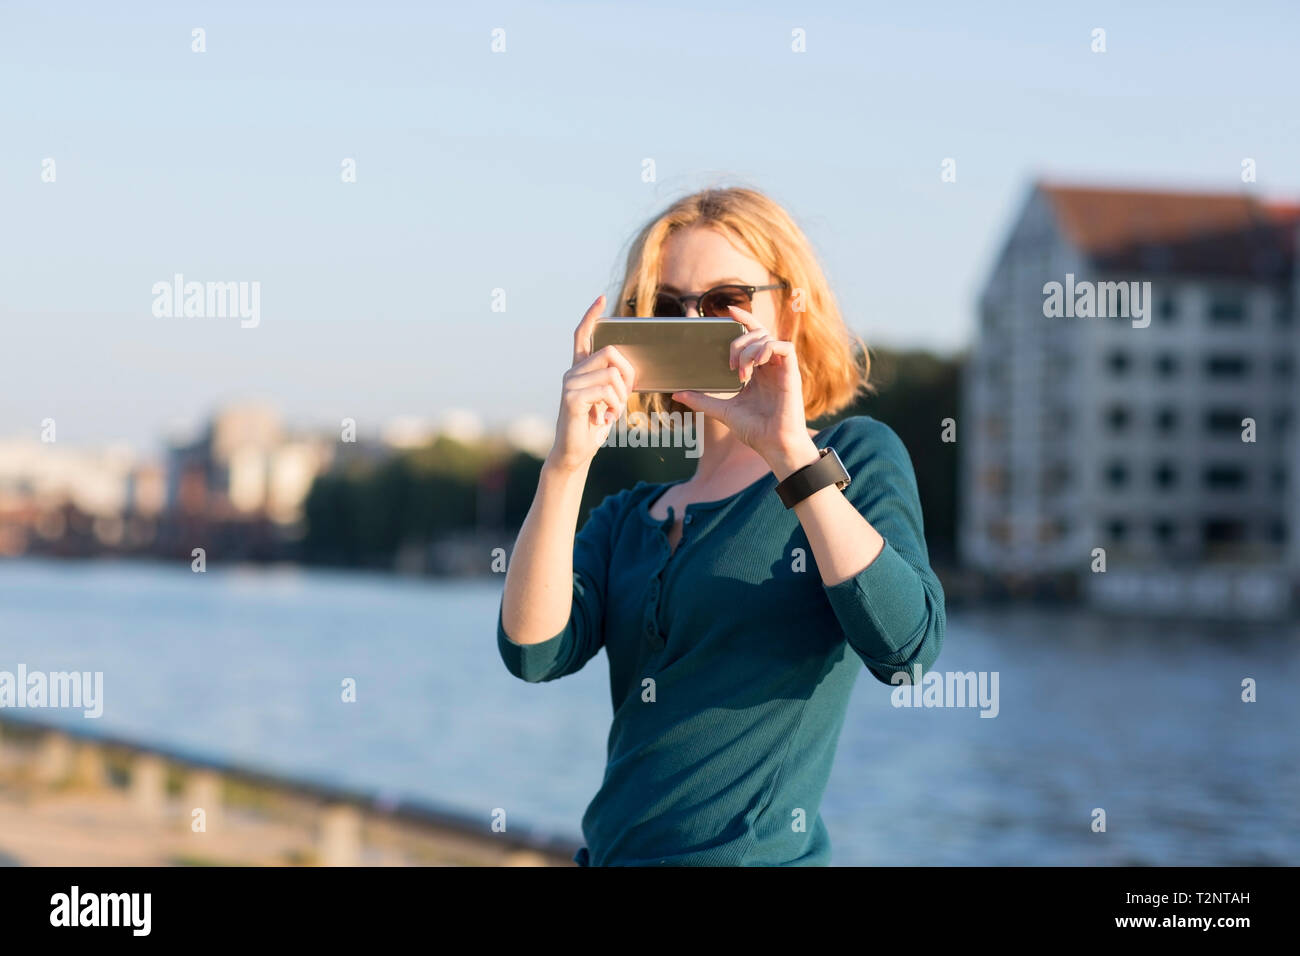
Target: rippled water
1145,721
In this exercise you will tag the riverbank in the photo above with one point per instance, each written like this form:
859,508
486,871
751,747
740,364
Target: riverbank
73,800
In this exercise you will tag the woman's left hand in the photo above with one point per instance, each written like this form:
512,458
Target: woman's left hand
767,414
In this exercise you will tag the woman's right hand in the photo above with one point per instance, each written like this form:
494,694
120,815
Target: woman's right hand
596,391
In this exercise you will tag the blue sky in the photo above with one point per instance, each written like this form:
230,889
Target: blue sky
522,170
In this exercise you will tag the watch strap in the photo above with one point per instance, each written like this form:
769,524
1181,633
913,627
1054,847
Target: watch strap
810,479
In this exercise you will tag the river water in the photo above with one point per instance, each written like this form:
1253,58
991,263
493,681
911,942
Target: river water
1144,721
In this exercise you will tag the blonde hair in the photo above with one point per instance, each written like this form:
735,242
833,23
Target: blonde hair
833,363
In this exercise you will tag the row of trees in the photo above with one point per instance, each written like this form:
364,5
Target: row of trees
364,514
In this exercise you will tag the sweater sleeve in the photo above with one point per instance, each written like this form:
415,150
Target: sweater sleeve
583,635
892,612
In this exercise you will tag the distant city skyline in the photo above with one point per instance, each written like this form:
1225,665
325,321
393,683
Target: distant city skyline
523,171
244,477
526,432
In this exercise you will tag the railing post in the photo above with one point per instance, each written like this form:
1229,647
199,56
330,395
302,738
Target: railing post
90,769
524,858
148,784
339,841
203,792
54,759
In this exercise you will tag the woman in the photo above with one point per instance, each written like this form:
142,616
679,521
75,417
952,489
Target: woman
735,627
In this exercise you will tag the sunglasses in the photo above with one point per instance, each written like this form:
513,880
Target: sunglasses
712,304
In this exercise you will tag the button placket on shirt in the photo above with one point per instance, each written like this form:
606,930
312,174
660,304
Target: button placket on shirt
653,636
656,639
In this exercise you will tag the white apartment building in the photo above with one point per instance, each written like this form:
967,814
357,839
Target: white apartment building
1087,432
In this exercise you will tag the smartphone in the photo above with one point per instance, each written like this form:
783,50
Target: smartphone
674,355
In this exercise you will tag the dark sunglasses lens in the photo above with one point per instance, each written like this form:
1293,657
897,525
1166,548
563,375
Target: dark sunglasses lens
715,302
666,307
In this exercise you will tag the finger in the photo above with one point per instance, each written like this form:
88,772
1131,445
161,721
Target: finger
773,348
589,364
701,402
750,355
595,395
742,341
601,376
613,358
582,334
602,358
754,349
576,399
620,360
783,352
745,318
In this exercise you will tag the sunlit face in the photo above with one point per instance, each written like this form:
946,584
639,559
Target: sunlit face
699,258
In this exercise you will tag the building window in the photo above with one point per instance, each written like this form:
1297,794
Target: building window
1168,309
1224,421
1284,367
1227,366
1117,362
1055,478
1117,529
1278,532
1227,308
1166,421
996,370
995,480
1053,529
1223,531
1166,475
1117,474
1058,364
1225,477
1164,530
1167,365
1117,417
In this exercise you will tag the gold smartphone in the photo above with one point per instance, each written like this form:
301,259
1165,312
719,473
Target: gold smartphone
674,355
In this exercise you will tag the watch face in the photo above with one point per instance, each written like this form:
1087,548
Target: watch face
843,482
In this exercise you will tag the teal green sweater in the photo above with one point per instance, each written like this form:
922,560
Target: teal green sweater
731,663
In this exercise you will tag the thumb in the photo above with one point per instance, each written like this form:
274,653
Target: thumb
700,402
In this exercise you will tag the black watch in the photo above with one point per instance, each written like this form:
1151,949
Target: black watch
810,479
